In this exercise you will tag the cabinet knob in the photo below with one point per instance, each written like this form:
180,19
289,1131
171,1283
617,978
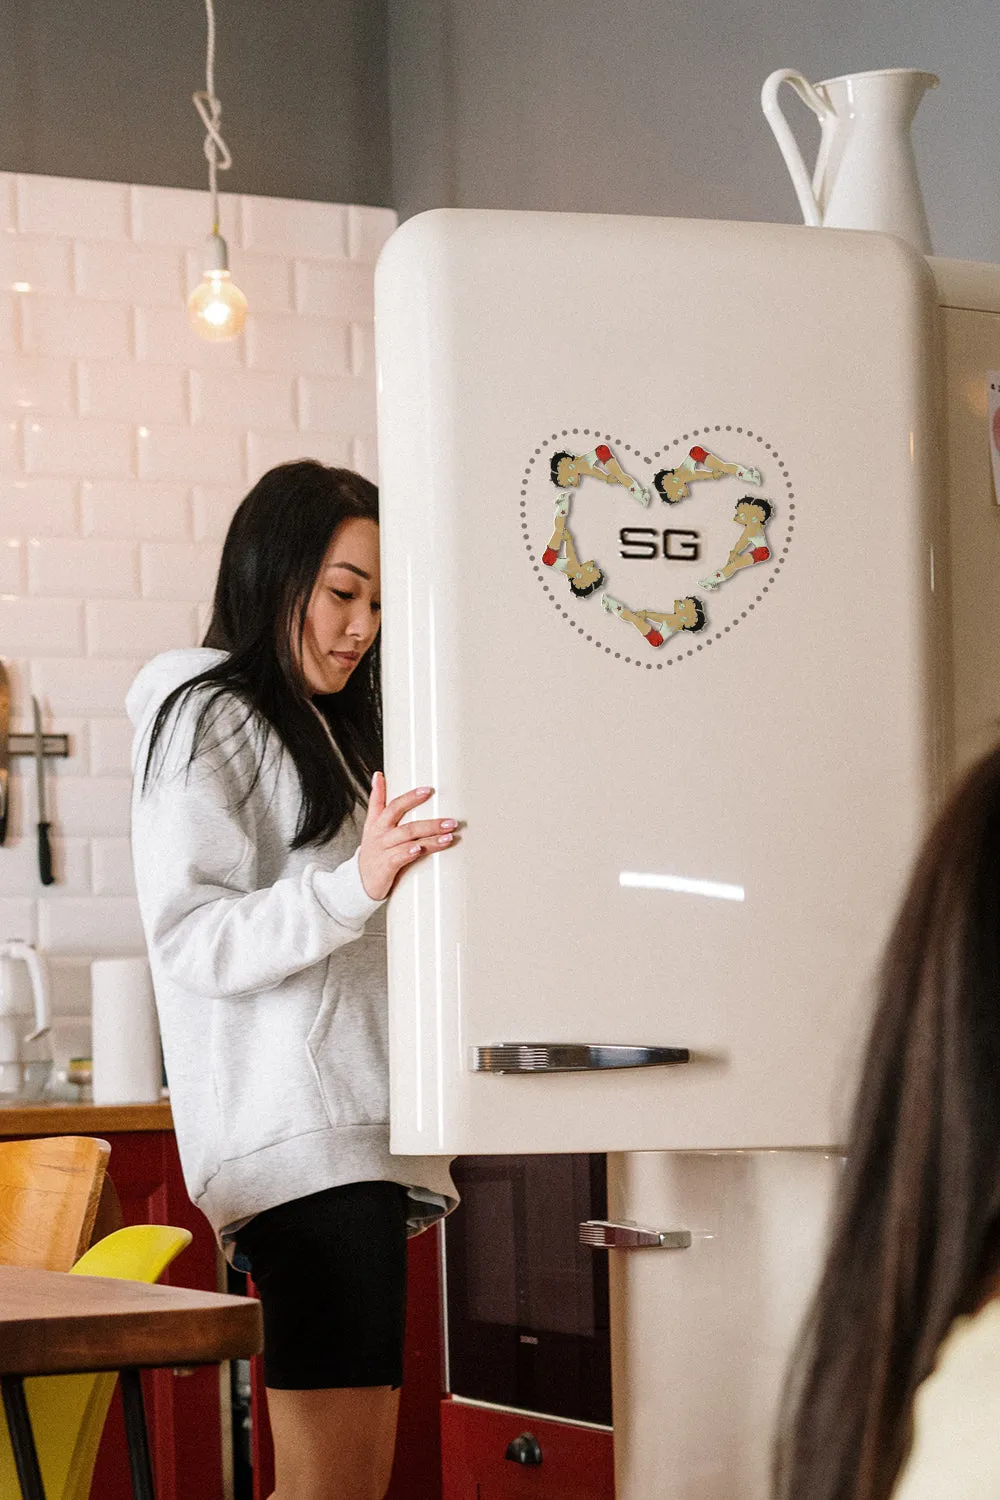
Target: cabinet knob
524,1450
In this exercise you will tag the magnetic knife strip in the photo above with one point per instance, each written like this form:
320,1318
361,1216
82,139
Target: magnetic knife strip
56,745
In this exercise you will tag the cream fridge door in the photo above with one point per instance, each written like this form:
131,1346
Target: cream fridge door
970,319
702,1330
659,627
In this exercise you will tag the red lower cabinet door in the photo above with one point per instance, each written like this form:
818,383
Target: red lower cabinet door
566,1462
183,1410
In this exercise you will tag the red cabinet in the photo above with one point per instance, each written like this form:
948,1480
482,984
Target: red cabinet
416,1472
577,1463
183,1411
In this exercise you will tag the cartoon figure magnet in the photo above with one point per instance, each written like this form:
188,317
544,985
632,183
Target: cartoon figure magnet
753,514
675,484
657,625
583,577
568,469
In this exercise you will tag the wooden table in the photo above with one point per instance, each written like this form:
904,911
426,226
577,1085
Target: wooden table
52,1323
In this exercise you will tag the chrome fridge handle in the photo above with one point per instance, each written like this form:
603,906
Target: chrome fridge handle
600,1234
570,1057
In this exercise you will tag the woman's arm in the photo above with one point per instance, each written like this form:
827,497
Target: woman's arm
207,928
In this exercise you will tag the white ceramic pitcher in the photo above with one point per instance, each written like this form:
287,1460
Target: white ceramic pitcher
25,1056
866,174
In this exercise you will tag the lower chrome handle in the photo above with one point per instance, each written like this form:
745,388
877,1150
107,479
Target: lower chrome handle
599,1234
571,1057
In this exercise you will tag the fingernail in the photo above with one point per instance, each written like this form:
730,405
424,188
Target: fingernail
414,848
446,838
424,791
449,822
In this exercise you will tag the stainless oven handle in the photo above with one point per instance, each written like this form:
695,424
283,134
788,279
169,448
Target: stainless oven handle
599,1234
569,1057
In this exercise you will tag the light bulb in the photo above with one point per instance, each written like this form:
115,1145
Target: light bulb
217,309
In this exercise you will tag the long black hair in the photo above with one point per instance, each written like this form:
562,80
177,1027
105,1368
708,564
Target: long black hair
915,1238
271,557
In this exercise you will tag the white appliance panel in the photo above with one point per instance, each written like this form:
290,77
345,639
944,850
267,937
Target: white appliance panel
700,1337
970,316
789,755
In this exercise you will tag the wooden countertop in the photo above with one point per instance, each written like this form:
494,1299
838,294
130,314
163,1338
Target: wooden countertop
83,1119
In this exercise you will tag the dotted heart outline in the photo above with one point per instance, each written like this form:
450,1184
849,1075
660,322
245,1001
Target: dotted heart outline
605,437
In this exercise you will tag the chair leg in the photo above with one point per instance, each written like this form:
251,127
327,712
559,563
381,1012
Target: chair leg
138,1438
22,1439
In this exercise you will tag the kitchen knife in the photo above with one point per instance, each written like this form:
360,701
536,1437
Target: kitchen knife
44,850
4,750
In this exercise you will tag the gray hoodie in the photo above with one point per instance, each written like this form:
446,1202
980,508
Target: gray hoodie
269,970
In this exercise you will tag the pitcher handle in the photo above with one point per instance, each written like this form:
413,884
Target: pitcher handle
786,141
38,970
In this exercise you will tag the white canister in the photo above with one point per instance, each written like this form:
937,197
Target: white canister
125,1045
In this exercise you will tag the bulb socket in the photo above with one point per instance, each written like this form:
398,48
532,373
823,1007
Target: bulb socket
216,257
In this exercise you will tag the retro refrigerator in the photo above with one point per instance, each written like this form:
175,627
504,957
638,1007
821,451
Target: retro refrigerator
671,626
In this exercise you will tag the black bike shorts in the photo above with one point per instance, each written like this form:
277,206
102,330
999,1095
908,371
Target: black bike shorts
330,1271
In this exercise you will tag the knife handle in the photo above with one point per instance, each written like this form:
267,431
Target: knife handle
45,854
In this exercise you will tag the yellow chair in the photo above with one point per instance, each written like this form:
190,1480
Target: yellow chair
68,1411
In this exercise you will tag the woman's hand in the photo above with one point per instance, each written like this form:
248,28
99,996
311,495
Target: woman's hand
388,846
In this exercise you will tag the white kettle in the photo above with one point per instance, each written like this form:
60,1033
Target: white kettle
865,175
25,1019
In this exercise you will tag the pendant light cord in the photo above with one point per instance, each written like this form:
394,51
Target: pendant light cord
210,110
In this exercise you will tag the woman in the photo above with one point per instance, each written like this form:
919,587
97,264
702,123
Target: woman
261,879
895,1390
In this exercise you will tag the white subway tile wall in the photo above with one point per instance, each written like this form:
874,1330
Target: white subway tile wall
8,322
44,265
11,449
8,204
33,383
38,507
11,567
126,443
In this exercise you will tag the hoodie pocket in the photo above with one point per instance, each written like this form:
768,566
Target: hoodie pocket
265,1088
348,1043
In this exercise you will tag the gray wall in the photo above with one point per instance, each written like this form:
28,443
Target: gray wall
652,106
632,106
102,89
